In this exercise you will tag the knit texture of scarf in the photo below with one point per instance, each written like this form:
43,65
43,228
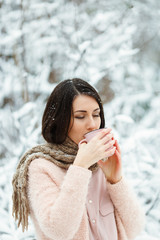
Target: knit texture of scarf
62,155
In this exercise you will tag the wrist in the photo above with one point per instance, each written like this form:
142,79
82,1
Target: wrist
79,163
111,181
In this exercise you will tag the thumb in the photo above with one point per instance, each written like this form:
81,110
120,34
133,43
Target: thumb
100,163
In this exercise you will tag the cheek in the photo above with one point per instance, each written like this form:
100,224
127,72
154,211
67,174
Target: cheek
74,127
71,124
78,125
98,122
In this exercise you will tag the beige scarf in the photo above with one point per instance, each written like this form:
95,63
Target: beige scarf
62,155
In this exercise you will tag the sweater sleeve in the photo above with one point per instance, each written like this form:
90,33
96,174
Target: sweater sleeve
127,207
58,210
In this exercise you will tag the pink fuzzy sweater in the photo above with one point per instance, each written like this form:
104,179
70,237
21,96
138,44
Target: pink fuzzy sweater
57,201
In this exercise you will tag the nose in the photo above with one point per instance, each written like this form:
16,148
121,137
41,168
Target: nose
91,124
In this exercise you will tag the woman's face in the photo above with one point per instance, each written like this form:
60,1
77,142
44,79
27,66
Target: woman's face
85,117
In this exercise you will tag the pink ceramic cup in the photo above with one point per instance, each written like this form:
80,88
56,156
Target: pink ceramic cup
88,136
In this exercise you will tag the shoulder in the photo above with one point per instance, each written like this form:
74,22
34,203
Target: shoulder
41,166
41,162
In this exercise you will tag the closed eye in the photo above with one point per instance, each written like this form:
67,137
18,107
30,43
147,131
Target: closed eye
83,116
79,117
96,115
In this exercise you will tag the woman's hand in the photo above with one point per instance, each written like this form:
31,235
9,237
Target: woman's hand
112,168
99,147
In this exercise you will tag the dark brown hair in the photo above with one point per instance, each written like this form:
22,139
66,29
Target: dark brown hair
58,110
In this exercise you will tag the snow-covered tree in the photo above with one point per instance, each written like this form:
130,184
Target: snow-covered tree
112,44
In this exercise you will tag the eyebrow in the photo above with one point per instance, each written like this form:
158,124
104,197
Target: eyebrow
86,111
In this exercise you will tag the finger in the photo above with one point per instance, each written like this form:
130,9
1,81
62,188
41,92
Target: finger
109,145
103,133
100,163
82,142
117,146
118,155
107,138
110,152
118,159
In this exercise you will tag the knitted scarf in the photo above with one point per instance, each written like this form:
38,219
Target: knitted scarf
62,155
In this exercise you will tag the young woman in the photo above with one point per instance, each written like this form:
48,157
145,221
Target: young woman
68,191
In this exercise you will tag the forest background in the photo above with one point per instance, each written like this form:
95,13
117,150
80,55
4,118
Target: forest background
115,45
